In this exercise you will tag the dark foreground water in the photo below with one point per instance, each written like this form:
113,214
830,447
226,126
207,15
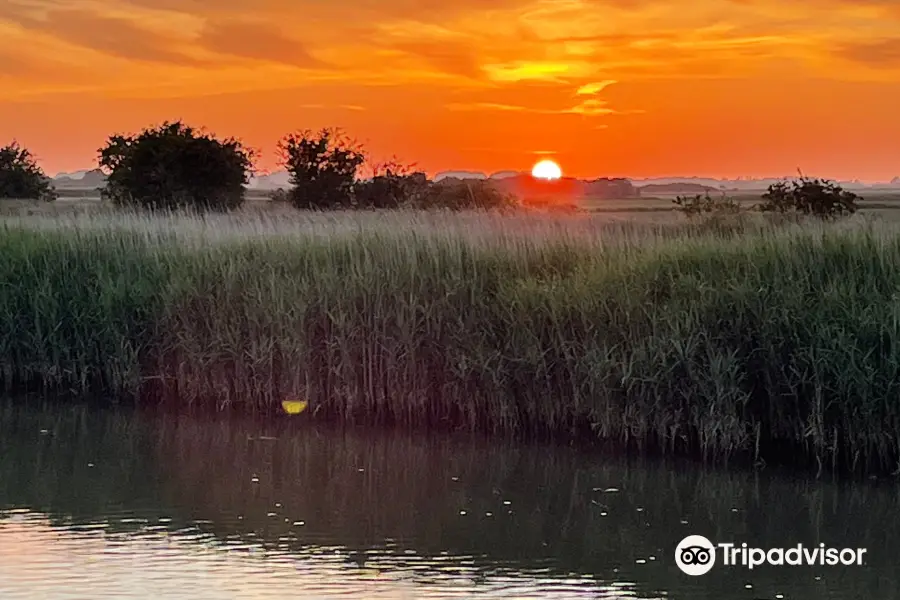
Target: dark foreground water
115,505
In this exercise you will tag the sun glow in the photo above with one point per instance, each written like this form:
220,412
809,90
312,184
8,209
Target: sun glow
546,169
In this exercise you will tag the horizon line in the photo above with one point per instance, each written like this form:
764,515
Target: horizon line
722,179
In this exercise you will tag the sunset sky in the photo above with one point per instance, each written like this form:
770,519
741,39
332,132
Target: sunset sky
605,87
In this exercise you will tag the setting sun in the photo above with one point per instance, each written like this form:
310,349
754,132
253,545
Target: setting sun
546,169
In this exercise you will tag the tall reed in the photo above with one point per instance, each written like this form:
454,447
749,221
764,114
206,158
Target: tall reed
774,343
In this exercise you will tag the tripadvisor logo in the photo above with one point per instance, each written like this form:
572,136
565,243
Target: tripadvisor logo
696,555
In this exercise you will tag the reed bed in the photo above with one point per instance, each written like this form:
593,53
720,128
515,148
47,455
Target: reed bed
774,343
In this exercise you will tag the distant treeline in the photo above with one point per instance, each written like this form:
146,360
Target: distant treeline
175,165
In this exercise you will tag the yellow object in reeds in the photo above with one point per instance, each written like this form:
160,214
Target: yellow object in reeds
294,407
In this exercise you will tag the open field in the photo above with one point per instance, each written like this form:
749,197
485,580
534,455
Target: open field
881,202
874,200
777,343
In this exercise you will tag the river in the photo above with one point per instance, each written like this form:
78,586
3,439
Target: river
101,504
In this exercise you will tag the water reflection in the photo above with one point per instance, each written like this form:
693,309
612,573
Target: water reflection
118,504
40,559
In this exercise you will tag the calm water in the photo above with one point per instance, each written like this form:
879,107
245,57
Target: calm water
101,505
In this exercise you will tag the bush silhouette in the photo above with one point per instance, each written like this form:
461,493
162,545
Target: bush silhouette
175,166
704,204
455,194
323,168
392,185
279,196
21,177
817,197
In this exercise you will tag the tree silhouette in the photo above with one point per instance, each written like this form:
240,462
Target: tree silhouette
21,177
323,168
176,166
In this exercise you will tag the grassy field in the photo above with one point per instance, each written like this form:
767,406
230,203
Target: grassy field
872,201
885,203
779,343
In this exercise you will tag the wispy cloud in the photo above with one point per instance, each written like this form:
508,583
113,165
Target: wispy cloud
589,108
873,53
255,40
113,36
354,107
489,106
451,57
590,89
468,43
558,71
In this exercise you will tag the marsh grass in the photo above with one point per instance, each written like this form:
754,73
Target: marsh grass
769,343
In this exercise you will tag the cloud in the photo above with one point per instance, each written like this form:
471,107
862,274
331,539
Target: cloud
115,36
17,65
558,71
595,108
490,106
877,53
451,58
353,107
22,11
255,40
589,89
580,46
542,97
217,8
37,71
591,107
347,11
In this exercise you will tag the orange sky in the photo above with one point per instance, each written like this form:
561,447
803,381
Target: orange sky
610,87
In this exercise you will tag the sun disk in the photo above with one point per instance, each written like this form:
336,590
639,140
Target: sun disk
546,169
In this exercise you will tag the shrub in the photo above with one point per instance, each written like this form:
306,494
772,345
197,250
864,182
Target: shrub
817,197
175,166
395,186
279,195
461,195
704,204
323,168
550,204
392,186
21,177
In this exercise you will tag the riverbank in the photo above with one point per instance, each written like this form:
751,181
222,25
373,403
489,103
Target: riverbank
774,343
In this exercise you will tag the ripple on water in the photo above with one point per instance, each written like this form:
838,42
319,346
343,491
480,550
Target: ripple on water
184,508
69,561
